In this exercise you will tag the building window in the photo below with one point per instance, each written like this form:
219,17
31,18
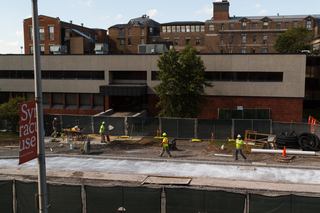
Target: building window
254,39
142,41
168,29
202,28
287,25
84,101
150,30
211,27
264,39
264,50
278,25
244,39
188,29
265,25
30,33
164,29
183,29
129,32
254,26
41,32
176,42
57,100
221,39
96,37
230,50
71,100
129,41
243,50
41,50
294,24
121,42
154,75
253,51
308,24
231,26
31,49
222,26
244,25
174,29
197,28
178,29
193,29
197,42
187,41
142,32
51,33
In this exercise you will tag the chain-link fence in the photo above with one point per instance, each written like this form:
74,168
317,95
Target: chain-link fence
178,128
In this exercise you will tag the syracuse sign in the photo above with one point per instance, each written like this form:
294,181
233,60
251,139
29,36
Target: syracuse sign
28,131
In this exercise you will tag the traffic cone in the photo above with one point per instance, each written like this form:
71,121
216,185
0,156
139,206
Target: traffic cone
309,121
284,154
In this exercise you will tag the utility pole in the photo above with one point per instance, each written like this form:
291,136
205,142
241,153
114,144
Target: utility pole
42,183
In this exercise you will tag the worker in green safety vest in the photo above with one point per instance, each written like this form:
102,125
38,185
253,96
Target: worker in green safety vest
239,144
165,145
102,128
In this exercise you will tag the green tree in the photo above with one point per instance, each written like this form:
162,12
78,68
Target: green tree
294,40
10,111
183,82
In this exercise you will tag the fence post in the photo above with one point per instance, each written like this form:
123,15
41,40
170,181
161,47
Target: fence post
126,126
160,127
61,123
247,203
14,194
84,199
177,127
163,201
92,125
232,129
271,127
196,128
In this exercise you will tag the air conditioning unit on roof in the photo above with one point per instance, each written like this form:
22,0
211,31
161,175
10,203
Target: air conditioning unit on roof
101,48
59,49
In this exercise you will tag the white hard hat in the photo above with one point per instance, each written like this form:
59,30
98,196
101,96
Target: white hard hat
55,119
102,122
239,136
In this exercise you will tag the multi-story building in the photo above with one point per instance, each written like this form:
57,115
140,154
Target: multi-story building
225,34
90,84
125,38
53,31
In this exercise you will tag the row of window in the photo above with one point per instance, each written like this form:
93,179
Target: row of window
130,42
238,76
183,29
74,75
41,33
141,31
254,39
71,100
255,25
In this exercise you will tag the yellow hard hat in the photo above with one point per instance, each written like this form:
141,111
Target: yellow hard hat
164,134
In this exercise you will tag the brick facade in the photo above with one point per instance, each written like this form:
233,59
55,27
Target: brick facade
281,109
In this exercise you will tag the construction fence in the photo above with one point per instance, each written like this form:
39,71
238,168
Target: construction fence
178,128
19,197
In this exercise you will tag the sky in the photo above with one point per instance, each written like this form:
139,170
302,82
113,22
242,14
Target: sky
105,13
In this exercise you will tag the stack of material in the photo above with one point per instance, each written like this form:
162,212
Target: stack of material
288,140
309,142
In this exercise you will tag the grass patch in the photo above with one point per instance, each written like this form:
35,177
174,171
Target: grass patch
9,136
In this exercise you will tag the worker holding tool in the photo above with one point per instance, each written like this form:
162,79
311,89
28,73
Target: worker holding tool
239,144
103,139
165,145
54,127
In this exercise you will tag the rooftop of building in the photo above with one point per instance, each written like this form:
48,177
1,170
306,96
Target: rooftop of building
143,21
276,17
183,23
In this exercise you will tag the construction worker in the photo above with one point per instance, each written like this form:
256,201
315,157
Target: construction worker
54,127
165,145
103,140
239,144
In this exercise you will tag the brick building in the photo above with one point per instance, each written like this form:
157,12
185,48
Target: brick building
125,38
53,31
225,34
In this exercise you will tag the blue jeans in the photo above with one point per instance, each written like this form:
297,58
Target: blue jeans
240,151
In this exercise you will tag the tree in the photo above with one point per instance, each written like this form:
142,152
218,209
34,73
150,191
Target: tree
183,82
10,111
294,40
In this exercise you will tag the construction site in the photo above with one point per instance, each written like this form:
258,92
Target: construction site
126,174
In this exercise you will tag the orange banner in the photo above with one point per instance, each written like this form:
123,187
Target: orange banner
27,131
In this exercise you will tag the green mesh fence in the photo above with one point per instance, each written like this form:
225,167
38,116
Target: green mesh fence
6,197
221,129
305,204
47,119
64,199
186,128
278,204
191,200
61,198
111,199
170,126
116,122
240,126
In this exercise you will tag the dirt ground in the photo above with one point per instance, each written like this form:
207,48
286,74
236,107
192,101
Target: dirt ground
151,148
